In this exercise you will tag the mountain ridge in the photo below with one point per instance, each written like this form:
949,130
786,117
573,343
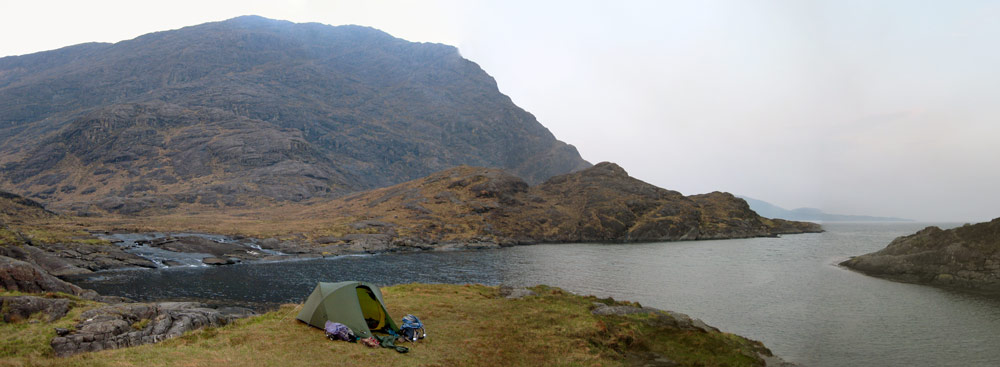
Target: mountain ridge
811,214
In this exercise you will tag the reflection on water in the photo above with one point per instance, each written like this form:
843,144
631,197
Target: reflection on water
786,292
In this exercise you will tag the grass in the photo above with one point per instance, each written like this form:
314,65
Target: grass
467,326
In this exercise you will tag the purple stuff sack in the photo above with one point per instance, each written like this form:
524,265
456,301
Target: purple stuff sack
338,331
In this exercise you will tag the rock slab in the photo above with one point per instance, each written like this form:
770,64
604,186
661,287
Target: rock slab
132,324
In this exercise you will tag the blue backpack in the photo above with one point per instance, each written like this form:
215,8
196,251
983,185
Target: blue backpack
412,329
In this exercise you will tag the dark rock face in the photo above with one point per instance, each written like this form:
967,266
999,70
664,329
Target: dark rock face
132,324
222,113
962,257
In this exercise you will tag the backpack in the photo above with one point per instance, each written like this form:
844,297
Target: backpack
412,329
338,331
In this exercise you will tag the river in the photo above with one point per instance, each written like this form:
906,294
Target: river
787,292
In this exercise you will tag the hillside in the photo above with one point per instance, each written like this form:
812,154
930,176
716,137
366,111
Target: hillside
964,257
15,208
253,110
472,206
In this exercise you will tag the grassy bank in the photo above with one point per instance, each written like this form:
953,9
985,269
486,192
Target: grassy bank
467,326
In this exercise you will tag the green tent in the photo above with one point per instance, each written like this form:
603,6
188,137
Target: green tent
357,305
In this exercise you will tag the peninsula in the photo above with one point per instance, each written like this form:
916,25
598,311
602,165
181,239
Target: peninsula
966,257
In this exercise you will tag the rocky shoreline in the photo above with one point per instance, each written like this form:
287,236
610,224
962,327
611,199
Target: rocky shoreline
966,257
191,249
119,323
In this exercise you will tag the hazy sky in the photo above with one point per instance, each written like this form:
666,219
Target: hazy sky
856,107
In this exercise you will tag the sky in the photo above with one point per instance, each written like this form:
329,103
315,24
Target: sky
885,108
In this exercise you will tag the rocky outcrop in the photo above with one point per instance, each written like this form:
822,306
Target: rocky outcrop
16,275
57,257
195,244
62,259
471,207
132,324
16,308
781,226
676,321
217,261
963,257
20,276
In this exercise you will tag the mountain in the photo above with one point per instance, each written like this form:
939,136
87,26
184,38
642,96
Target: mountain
475,206
251,109
962,257
811,214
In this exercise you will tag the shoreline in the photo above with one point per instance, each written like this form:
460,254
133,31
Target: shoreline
989,290
301,252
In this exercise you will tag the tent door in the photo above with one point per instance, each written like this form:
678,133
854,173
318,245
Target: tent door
371,309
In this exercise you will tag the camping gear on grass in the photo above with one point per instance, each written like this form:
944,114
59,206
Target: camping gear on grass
356,305
370,342
389,341
412,329
337,331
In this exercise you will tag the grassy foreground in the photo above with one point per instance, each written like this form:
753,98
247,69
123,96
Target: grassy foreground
467,326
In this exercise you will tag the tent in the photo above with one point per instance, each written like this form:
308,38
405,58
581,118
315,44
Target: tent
357,305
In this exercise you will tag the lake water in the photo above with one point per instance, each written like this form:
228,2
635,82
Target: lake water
787,292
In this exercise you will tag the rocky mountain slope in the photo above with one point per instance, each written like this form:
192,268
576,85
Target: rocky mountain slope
964,257
249,109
